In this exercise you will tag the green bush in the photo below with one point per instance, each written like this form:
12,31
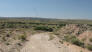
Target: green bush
22,37
61,25
10,25
89,47
69,37
44,28
73,40
77,42
90,39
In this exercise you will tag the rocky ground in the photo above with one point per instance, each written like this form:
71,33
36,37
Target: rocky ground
42,43
27,40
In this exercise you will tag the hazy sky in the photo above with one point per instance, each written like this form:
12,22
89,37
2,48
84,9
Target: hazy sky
80,9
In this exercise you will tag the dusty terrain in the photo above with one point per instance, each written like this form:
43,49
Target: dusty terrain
32,40
42,43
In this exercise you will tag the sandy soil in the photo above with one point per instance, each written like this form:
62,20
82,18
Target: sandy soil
41,43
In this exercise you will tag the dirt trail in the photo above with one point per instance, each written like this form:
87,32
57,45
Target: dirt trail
41,43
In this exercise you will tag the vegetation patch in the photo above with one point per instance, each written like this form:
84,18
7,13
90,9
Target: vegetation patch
73,40
89,47
90,39
22,37
51,37
61,25
44,28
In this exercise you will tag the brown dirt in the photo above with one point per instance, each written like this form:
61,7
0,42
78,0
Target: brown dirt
41,43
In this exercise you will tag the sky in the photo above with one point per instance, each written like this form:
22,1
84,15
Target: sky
63,9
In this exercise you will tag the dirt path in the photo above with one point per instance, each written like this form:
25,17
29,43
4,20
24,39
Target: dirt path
41,43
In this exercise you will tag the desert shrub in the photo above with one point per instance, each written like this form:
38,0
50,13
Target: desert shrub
51,37
69,37
10,25
90,39
77,42
61,25
81,51
19,44
66,38
7,25
89,47
8,35
83,39
56,33
7,43
3,38
44,28
73,40
22,37
78,33
61,42
90,24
